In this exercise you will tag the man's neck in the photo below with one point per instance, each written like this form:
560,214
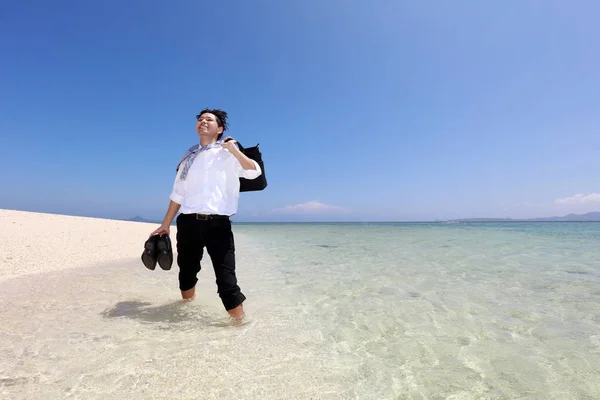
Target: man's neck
207,141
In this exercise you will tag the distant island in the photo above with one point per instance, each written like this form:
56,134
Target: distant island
587,217
137,218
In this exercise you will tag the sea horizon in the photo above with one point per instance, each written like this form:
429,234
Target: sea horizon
245,220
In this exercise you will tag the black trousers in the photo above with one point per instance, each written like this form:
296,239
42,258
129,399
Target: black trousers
215,234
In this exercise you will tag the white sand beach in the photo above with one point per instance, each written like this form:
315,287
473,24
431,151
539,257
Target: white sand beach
38,242
83,318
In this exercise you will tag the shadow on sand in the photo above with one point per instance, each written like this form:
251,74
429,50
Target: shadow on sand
179,312
174,312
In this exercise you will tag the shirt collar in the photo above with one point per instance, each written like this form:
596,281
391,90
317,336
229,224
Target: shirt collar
210,145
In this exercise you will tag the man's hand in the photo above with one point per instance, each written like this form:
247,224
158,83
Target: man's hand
230,145
162,230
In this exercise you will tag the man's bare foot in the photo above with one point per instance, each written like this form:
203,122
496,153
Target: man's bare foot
237,314
188,294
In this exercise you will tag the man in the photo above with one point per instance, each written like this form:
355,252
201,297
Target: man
206,192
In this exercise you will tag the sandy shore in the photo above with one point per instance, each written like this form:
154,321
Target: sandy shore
36,242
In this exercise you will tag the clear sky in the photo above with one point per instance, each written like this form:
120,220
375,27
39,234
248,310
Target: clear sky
364,110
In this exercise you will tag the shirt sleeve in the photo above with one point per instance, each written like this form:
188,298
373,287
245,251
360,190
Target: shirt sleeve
249,173
178,191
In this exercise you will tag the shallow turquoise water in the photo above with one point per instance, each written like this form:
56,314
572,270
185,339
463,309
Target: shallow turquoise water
435,310
336,311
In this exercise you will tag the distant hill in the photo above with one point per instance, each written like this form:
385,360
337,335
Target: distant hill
588,217
591,216
137,218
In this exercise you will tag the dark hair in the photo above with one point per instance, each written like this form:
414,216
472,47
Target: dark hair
221,118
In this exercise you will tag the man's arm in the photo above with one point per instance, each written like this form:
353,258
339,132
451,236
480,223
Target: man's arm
171,213
176,198
165,227
249,168
246,162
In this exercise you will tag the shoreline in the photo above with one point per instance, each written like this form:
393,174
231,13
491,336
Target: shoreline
41,242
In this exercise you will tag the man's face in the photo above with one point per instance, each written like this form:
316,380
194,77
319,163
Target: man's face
207,125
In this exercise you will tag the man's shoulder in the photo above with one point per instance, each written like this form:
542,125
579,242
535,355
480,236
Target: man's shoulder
186,154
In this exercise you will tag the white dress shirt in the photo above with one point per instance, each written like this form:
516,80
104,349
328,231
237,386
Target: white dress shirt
212,185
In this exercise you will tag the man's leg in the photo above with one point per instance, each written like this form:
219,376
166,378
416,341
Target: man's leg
221,248
189,253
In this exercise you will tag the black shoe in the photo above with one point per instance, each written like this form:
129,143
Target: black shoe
165,252
150,253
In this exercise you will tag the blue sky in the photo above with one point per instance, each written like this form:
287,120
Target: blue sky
380,110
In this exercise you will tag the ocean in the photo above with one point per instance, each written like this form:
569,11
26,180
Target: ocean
335,311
